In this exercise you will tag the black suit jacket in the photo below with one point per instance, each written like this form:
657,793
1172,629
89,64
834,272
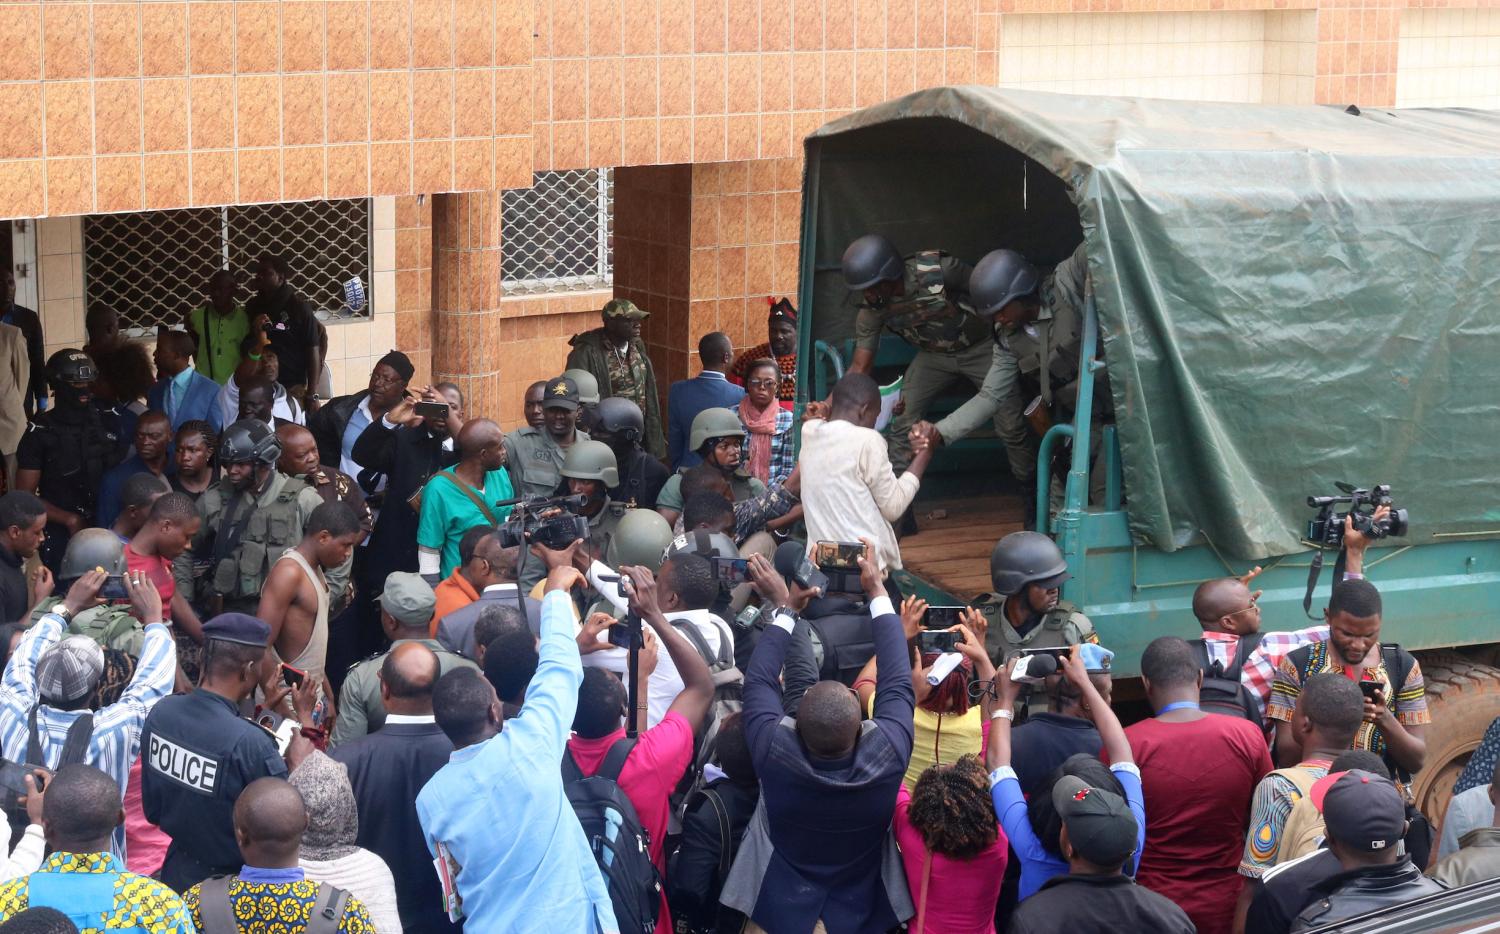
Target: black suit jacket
408,457
387,768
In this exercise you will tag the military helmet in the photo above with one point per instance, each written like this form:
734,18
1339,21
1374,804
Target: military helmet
702,542
1000,278
588,387
1022,558
70,366
640,538
714,423
621,417
871,259
249,440
591,460
90,549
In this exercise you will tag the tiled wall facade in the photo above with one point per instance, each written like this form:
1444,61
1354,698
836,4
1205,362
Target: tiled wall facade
119,106
1449,58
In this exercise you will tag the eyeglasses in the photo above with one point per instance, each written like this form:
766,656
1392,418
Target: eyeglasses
1253,605
761,383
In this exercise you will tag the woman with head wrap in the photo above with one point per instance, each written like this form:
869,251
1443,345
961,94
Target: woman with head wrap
329,853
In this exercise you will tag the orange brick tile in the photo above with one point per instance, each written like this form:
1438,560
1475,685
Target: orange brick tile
70,117
569,145
676,86
709,86
605,88
257,110
474,32
641,141
709,138
709,26
65,42
775,82
210,37
869,73
432,104
22,104
257,28
166,181
70,186
676,26
348,96
807,25
116,40
259,175
21,25
347,31
838,79
513,101
432,165
514,42
302,32
432,33
743,77
569,90
776,25
390,34
117,116
302,110
118,184
838,24
605,28
390,168
348,171
606,142
390,105
569,35
639,81
474,103
22,187
304,174
164,31
473,165
744,27
212,107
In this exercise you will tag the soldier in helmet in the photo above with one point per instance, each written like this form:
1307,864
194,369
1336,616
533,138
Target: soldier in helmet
253,515
620,425
534,456
588,470
1037,321
588,398
66,451
1027,570
923,298
719,439
109,622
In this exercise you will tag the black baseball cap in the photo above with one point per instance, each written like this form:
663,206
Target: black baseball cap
1100,825
561,393
1361,810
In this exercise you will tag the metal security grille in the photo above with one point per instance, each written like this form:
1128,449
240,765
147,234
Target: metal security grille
557,235
153,266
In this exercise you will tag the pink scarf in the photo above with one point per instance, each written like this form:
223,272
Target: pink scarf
762,427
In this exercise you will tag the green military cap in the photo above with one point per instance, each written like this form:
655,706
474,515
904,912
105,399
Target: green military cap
624,308
408,598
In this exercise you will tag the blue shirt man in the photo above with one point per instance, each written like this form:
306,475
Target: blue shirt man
181,391
497,816
708,390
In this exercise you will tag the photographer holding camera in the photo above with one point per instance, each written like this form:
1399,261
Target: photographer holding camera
1391,679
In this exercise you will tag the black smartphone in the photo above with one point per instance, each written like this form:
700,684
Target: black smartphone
941,617
1059,654
114,588
621,635
292,676
731,570
937,641
841,555
431,409
1371,688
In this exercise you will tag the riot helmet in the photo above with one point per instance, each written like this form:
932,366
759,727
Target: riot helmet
640,538
71,374
591,460
1023,558
249,440
1000,278
621,418
714,423
871,259
90,549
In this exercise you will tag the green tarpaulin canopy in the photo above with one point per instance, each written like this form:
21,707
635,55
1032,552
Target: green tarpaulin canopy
1287,295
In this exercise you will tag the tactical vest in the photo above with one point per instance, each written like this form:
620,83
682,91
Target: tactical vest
268,531
1062,626
926,316
82,455
111,625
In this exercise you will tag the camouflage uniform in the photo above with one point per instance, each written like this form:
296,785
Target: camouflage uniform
931,315
1049,344
1061,626
535,461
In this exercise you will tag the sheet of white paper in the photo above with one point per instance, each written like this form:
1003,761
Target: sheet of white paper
889,396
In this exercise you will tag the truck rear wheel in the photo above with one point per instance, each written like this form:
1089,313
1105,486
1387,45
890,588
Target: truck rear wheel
1463,697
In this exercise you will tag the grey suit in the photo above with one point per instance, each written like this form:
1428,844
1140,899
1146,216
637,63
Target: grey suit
456,630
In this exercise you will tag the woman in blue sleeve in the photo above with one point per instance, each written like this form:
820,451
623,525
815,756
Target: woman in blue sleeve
1033,836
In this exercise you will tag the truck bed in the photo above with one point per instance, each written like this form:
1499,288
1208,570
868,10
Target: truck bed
951,550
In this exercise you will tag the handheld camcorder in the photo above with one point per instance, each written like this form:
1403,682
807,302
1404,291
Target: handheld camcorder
549,521
1327,528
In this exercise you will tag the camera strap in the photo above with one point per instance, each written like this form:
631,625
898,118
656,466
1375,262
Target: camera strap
1314,569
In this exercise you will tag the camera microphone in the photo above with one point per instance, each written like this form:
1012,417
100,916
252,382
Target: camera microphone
792,563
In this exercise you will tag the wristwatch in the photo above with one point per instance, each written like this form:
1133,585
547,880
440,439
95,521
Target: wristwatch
62,612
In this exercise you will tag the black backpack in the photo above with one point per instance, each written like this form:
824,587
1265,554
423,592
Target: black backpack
217,910
1223,692
621,846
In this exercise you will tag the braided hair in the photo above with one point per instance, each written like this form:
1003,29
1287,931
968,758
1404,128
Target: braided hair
951,808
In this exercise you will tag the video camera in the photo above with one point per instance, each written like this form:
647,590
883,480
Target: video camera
1327,528
549,521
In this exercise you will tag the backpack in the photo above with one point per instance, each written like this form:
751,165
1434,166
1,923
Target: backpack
327,911
1223,692
621,846
729,697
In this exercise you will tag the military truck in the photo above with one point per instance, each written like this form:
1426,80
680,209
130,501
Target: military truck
1282,298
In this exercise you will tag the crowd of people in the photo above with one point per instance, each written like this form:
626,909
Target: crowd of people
277,662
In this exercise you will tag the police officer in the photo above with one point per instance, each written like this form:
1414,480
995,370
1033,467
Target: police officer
110,624
923,299
1027,569
588,398
249,518
620,425
1037,323
719,438
66,450
198,754
534,456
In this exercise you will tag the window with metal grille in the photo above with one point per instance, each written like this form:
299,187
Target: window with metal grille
153,266
556,236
